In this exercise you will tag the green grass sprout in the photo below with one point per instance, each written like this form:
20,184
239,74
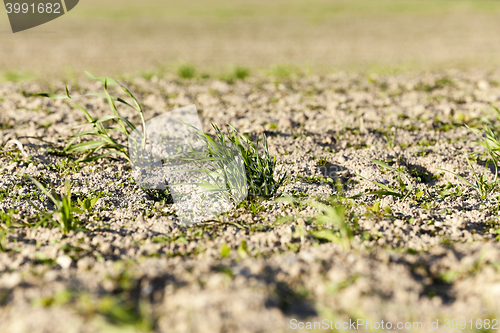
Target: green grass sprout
491,147
186,71
334,216
63,214
240,73
405,185
88,204
481,183
259,166
101,132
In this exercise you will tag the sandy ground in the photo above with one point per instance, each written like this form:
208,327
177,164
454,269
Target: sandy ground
322,36
330,83
432,256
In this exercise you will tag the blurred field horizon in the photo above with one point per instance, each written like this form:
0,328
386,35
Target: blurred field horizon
154,37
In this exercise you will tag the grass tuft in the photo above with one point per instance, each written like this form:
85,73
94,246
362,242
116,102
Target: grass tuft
284,71
103,140
63,214
333,216
186,71
404,183
225,176
491,148
241,73
481,183
260,166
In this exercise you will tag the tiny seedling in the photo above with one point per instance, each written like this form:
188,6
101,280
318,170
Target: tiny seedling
481,183
242,250
3,238
101,132
224,250
63,214
7,217
226,177
334,216
260,166
375,211
405,185
88,204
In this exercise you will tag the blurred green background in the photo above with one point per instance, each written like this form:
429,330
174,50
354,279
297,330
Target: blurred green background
212,37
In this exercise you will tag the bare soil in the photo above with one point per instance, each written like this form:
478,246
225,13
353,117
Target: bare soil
137,268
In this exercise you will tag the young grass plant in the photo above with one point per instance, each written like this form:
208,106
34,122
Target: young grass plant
6,221
405,185
333,216
481,183
63,214
491,145
390,137
259,166
103,141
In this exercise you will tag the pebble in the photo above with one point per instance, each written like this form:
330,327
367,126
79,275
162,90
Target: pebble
64,261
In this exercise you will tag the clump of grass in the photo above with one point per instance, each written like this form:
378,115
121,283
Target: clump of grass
124,314
103,139
241,73
490,134
3,238
260,166
7,217
186,71
63,214
481,183
16,76
491,148
333,215
235,73
225,177
219,169
404,183
6,220
88,204
284,71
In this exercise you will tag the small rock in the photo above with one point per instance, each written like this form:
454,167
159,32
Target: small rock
483,85
399,223
64,261
342,159
10,281
331,139
457,221
383,181
11,167
306,256
286,122
105,248
50,276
